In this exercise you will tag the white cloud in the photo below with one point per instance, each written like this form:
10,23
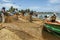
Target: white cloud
34,8
6,0
46,8
54,1
8,5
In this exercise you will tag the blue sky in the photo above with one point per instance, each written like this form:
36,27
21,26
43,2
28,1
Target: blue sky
36,5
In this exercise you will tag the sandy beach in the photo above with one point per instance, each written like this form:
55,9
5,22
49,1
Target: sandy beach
27,30
29,19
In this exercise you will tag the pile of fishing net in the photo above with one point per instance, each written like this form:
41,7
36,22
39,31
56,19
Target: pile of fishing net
6,34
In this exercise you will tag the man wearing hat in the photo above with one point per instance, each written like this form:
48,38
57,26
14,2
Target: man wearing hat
53,18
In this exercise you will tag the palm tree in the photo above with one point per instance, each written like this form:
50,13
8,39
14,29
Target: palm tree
23,12
11,9
27,10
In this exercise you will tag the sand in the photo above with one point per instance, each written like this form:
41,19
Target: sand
29,31
6,34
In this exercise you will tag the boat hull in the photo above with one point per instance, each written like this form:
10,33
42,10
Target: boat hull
53,28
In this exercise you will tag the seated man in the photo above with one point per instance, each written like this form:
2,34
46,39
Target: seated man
53,18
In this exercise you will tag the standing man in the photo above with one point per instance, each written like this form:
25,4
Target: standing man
2,14
17,13
30,16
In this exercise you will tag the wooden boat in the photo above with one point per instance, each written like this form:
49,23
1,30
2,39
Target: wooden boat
53,27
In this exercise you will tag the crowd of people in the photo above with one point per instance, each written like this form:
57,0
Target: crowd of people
3,13
13,11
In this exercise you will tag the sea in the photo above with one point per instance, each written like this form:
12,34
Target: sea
41,16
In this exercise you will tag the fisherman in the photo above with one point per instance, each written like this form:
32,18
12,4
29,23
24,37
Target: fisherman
3,10
53,18
16,13
30,17
2,14
45,17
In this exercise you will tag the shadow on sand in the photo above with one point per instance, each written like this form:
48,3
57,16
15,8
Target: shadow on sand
48,36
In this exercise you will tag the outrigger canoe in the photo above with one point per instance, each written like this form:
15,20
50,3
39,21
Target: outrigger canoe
53,27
